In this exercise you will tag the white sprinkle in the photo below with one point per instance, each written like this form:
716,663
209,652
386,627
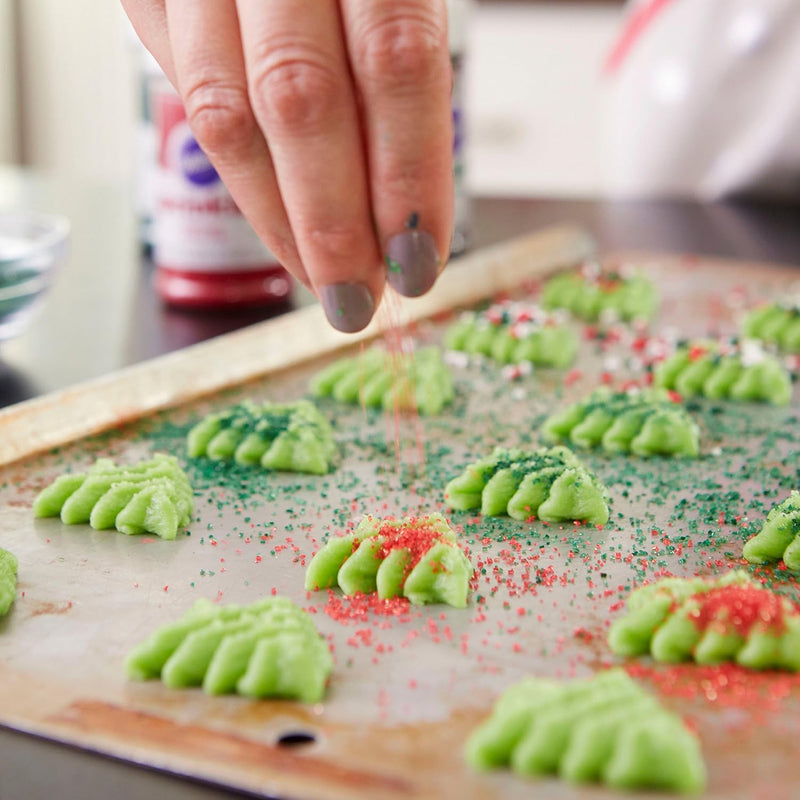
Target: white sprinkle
611,363
752,352
591,270
608,316
456,359
560,316
628,270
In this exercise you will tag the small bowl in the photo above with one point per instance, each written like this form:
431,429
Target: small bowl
32,247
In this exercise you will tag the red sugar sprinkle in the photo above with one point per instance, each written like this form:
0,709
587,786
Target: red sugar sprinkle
358,607
727,685
739,608
572,376
696,352
583,633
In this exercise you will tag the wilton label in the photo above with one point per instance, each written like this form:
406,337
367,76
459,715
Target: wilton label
198,226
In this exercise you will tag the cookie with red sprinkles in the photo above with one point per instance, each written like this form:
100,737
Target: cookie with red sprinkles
730,618
413,557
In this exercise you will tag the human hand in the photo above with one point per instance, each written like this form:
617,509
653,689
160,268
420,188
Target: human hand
330,123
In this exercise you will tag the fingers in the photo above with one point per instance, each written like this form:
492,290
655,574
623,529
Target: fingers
303,97
400,59
326,119
210,73
149,20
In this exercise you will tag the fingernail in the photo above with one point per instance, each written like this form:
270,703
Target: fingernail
348,306
412,261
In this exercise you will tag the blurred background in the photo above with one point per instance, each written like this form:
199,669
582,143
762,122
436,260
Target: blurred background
70,95
641,122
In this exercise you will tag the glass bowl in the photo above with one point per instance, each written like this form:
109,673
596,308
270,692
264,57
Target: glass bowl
32,247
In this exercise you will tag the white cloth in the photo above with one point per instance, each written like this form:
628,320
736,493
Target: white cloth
705,100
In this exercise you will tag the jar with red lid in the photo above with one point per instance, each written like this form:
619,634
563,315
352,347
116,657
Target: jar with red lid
206,253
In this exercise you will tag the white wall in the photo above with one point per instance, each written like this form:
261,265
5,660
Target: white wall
534,97
532,94
8,84
79,98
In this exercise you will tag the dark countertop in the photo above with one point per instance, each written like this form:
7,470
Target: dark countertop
102,313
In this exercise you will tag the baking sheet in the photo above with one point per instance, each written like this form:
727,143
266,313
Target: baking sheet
269,347
407,688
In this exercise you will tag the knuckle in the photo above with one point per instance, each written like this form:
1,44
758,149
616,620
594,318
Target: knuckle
407,180
337,243
402,50
292,88
219,116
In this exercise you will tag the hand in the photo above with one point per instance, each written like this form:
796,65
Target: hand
330,123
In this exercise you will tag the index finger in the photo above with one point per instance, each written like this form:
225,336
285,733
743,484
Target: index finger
303,98
400,60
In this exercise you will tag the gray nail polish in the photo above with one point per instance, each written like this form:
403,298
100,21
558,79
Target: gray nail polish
348,306
412,261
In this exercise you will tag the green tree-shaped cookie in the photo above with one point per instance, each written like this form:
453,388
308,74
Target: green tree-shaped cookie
590,292
779,538
775,323
730,618
8,580
548,484
645,423
512,333
604,728
150,497
289,437
268,649
413,557
418,381
725,371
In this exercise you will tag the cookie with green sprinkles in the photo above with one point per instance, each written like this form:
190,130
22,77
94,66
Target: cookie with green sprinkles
418,381
779,538
710,621
725,371
645,423
149,497
603,729
413,557
513,333
592,292
775,323
8,580
287,437
550,484
270,648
